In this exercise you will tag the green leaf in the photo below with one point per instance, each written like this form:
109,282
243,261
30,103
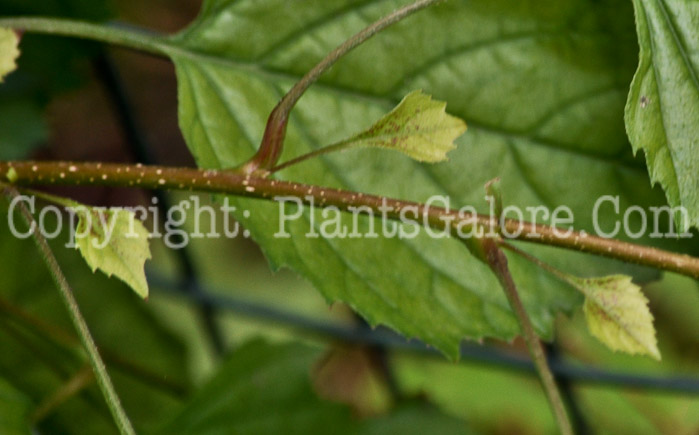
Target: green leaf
22,128
11,175
617,314
418,127
543,95
261,389
266,389
415,419
9,51
115,242
662,115
15,408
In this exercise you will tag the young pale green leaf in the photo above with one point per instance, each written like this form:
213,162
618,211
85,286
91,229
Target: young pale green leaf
617,314
493,194
418,127
11,175
9,51
115,242
662,115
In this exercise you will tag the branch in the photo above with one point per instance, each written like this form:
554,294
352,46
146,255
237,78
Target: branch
141,40
28,173
272,144
497,261
98,366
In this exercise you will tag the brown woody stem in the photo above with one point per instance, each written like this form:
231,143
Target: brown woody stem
28,173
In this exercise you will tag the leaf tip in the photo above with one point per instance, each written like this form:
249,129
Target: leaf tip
9,51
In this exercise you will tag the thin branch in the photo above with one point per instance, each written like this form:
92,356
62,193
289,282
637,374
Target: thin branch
28,173
105,383
141,40
82,379
497,261
538,262
272,144
307,156
271,147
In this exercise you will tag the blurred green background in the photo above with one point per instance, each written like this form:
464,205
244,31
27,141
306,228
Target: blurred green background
59,106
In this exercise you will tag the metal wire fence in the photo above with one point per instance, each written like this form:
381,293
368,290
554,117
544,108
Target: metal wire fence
470,352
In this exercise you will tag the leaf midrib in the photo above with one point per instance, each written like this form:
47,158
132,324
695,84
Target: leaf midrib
680,46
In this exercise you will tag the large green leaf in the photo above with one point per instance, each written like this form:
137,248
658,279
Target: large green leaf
14,410
266,389
662,112
22,128
541,85
261,389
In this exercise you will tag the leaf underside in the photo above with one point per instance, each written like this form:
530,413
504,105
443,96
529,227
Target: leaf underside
260,378
662,118
543,96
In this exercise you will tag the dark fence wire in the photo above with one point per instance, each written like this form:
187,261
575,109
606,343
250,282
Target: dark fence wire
470,352
142,151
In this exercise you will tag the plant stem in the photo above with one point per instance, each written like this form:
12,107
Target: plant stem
273,140
28,173
275,131
497,261
98,366
540,263
142,41
309,155
61,338
83,378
